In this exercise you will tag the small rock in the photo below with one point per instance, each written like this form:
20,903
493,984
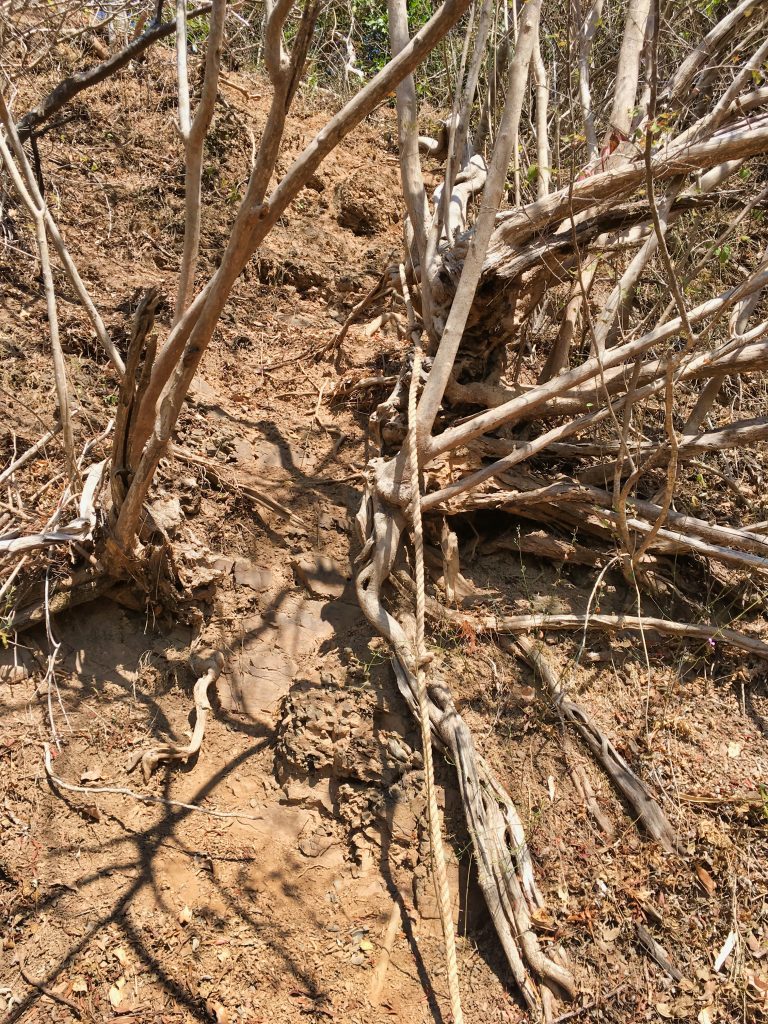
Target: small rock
316,794
243,450
397,749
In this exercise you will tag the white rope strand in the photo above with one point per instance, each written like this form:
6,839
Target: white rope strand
433,815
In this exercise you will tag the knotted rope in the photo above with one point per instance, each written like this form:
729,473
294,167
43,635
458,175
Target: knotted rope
422,659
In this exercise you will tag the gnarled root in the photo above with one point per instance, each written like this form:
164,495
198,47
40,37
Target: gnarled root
151,758
503,860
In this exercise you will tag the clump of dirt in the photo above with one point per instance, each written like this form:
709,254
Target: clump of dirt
361,209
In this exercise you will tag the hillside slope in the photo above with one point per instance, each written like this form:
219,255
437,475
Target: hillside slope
279,910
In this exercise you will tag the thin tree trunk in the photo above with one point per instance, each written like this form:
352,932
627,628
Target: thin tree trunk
194,133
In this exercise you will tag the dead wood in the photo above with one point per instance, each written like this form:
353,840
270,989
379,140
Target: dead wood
711,635
54,996
632,788
83,587
545,545
584,788
32,451
657,952
530,492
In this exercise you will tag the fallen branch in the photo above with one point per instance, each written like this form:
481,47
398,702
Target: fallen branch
632,788
79,529
584,788
56,997
37,212
530,491
30,453
217,474
517,226
615,623
593,1004
377,291
629,785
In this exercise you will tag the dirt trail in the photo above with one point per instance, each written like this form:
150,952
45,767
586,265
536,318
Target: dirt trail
140,912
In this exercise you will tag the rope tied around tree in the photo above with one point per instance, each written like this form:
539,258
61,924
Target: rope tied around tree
422,659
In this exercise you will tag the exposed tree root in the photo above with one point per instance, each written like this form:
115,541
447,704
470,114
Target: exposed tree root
502,857
152,757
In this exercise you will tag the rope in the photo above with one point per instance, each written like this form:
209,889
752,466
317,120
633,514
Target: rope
422,659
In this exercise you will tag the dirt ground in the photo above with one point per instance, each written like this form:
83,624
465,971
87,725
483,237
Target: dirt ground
274,906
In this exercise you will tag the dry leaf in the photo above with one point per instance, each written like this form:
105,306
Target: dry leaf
734,749
91,776
543,919
664,1010
220,1012
185,915
706,879
80,985
116,993
120,955
705,1015
365,945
